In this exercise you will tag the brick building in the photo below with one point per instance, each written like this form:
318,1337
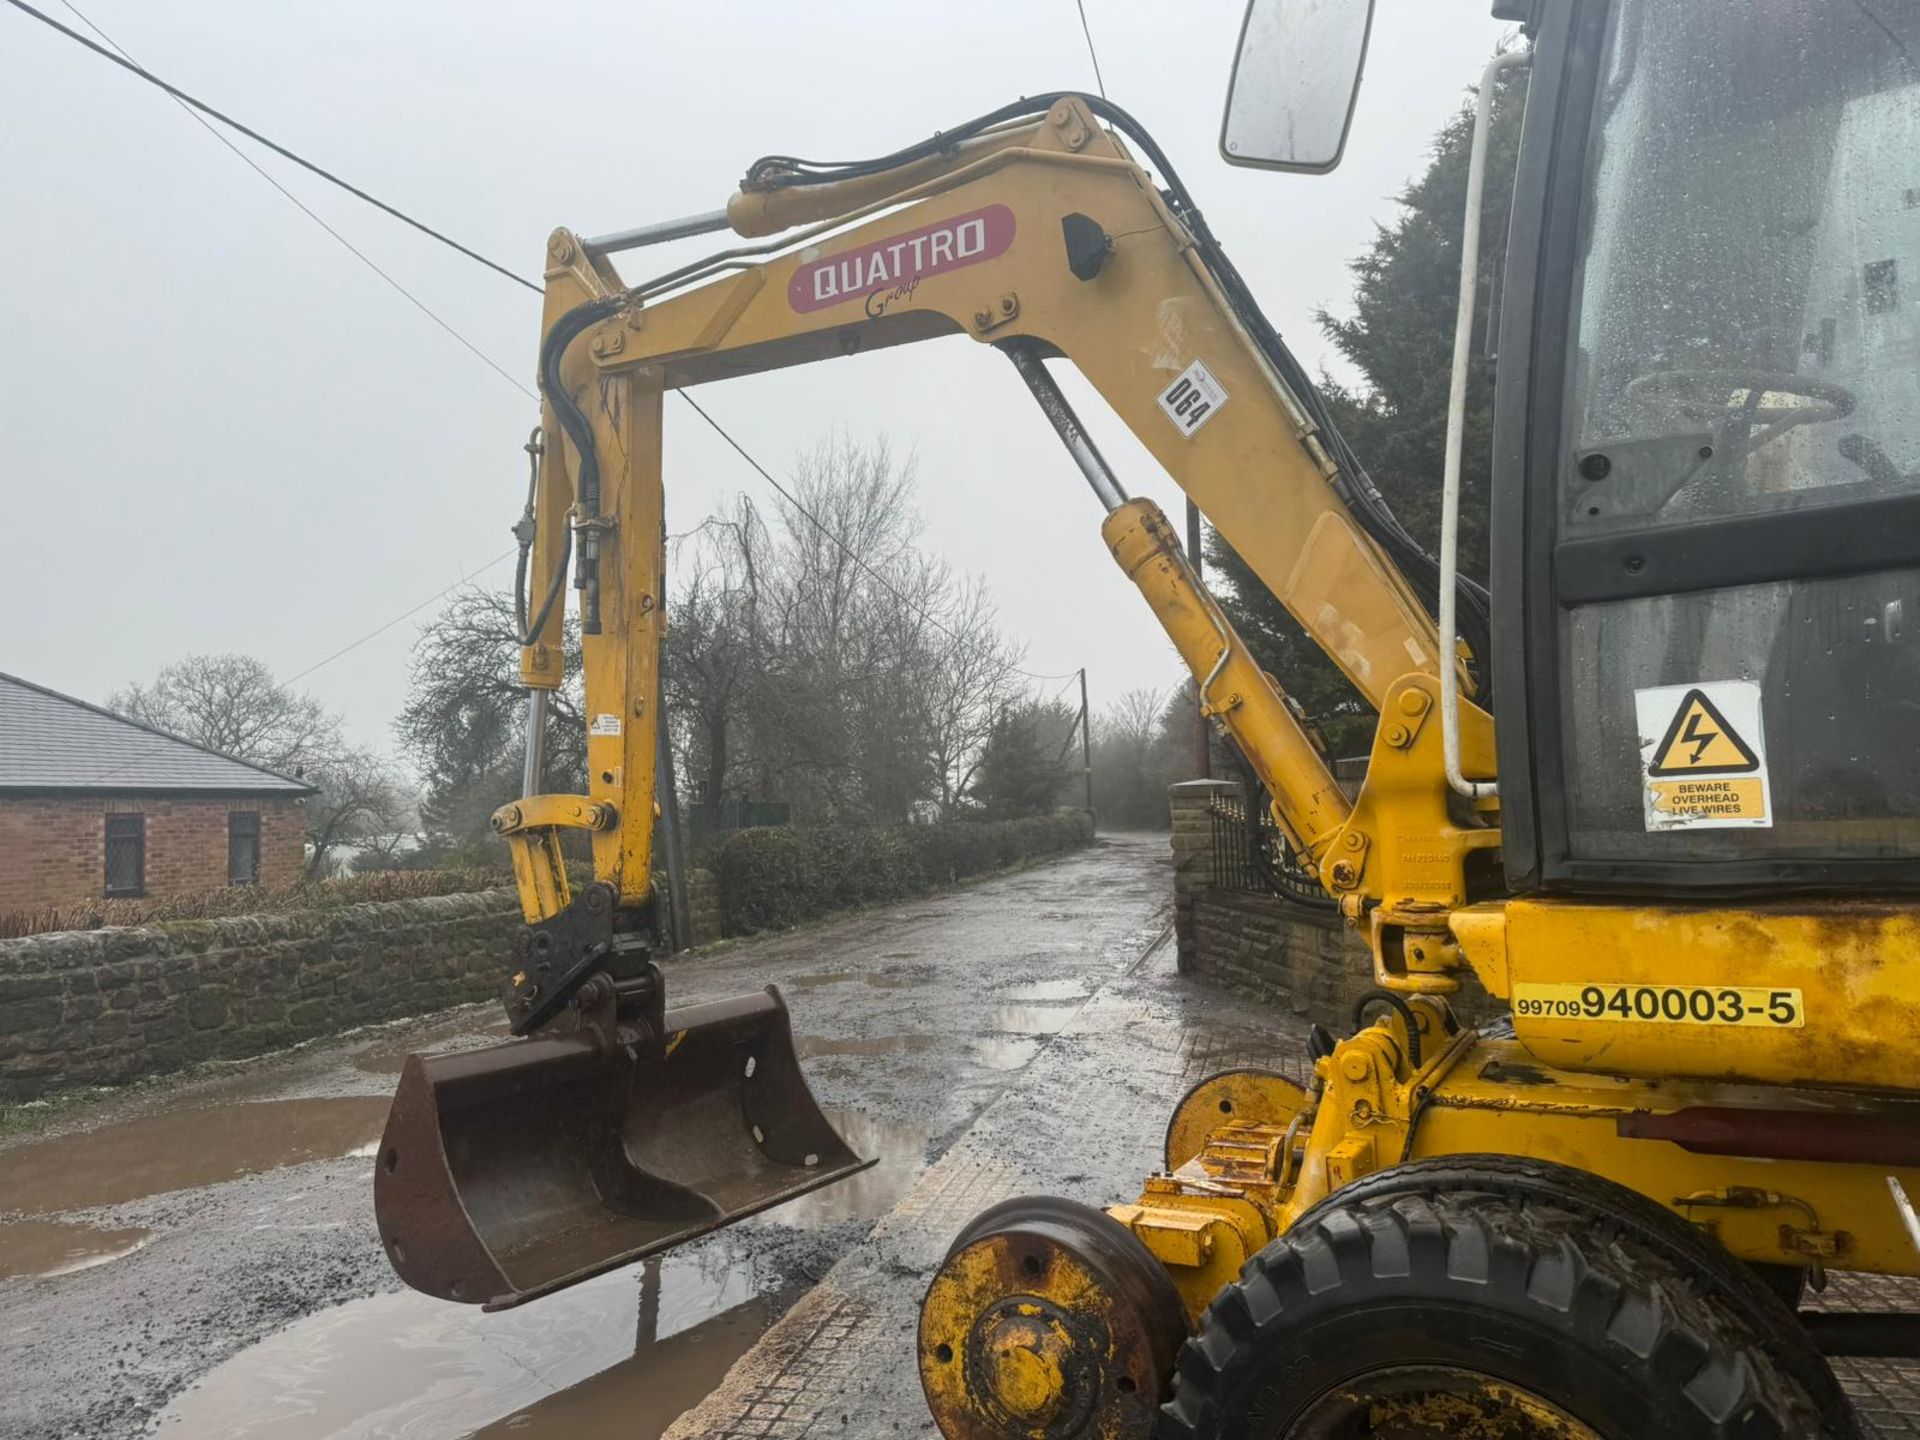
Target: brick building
93,804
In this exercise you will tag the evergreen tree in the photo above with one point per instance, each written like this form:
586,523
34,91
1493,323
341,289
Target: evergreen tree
1023,767
1400,339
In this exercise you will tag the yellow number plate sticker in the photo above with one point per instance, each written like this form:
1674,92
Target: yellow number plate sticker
1671,1004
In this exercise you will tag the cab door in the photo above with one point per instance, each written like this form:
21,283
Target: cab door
1707,480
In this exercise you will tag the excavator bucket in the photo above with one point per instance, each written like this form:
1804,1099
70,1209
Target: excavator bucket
513,1171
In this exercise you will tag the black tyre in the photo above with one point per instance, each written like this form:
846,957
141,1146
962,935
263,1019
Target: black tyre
1759,1299
1492,1298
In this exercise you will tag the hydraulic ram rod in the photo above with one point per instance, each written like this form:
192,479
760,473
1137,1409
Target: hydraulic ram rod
1066,424
659,232
1307,800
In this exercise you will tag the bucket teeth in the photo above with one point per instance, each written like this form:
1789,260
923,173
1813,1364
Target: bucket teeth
517,1170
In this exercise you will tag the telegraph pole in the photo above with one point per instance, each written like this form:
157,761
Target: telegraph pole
1202,759
1086,745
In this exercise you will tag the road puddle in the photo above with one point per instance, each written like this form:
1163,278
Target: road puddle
878,979
47,1248
1005,1052
1048,990
389,1057
1032,1019
900,1153
644,1394
183,1150
623,1355
814,1047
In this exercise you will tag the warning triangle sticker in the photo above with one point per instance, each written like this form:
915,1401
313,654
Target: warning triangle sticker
1701,742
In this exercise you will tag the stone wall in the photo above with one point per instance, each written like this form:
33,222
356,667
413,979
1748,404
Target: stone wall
101,1007
53,847
1307,960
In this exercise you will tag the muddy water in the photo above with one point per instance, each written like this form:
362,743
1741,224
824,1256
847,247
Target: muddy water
184,1149
812,1047
1055,991
878,979
47,1247
641,1396
901,1154
1004,1052
389,1057
1032,1019
623,1356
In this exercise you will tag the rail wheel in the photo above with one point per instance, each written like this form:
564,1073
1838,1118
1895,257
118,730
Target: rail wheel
1493,1299
1048,1320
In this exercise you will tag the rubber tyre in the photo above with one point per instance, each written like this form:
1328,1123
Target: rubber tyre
1760,1303
1548,1279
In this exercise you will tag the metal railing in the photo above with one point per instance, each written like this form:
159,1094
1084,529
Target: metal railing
1252,856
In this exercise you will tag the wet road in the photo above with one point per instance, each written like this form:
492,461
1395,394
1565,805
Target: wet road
199,1259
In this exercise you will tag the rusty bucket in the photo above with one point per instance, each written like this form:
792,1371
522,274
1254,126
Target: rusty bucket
514,1171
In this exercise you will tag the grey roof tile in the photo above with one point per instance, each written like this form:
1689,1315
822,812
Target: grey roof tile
50,741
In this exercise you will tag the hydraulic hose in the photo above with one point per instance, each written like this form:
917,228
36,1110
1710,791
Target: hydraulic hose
1372,998
525,532
1352,483
568,328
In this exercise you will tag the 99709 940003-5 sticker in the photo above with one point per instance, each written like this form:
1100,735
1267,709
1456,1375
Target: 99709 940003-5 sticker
1774,1008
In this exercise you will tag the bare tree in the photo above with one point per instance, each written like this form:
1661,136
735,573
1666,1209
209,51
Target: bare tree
824,656
232,703
464,721
363,804
971,677
1141,744
714,643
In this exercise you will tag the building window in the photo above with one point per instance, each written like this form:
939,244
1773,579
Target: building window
243,847
126,855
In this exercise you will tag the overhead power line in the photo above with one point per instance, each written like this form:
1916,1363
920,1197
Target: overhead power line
293,680
374,634
325,174
125,62
1092,54
844,548
311,214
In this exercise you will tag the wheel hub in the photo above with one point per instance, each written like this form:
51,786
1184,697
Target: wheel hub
1034,1364
1437,1403
1048,1321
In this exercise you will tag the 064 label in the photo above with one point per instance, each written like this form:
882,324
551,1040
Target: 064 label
1672,1004
1193,399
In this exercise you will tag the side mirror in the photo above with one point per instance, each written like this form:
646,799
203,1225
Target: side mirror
1295,78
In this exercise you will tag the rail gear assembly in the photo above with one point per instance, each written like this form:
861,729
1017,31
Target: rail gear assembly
1687,857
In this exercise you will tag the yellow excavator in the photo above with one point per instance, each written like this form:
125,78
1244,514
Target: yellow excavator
1662,799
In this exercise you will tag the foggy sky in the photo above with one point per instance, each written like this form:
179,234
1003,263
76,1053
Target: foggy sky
220,432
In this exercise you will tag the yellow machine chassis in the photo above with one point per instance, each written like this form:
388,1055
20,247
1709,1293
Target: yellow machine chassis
1711,1073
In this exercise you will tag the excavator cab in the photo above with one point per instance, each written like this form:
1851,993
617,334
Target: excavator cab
1707,469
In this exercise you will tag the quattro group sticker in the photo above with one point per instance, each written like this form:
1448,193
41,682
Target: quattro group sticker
1703,756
